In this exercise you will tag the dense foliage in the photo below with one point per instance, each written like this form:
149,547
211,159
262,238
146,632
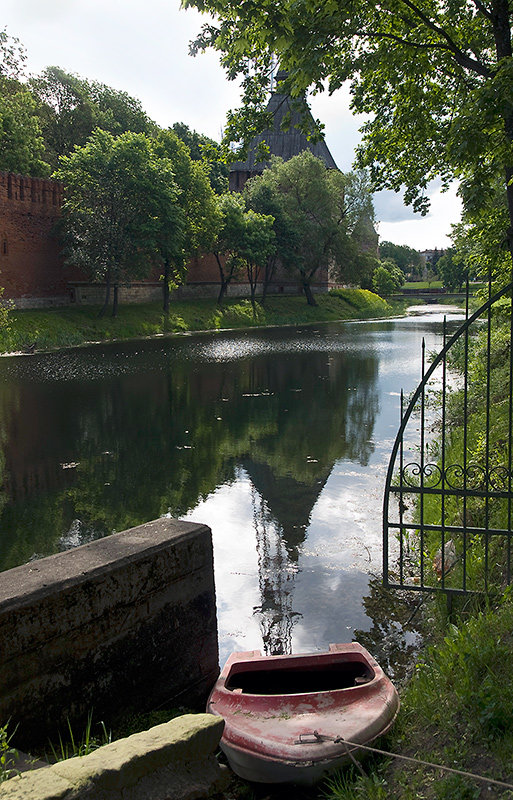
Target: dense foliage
435,78
406,258
387,278
315,210
120,209
196,208
206,150
70,108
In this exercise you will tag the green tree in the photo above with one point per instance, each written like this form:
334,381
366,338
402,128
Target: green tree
452,269
67,114
70,108
208,152
229,235
199,216
406,258
321,208
118,198
387,278
12,56
261,195
258,243
435,77
118,112
21,141
479,239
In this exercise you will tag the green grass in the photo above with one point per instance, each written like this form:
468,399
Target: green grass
71,745
422,285
457,711
72,326
474,286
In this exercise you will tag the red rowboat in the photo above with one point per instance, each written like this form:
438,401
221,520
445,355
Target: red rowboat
286,716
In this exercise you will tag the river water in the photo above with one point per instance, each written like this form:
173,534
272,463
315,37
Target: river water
277,439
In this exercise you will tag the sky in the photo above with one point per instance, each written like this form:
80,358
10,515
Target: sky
142,48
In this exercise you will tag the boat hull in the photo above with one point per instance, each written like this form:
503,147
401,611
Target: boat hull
287,717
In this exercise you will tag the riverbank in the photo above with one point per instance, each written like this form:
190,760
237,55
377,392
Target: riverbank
457,707
34,330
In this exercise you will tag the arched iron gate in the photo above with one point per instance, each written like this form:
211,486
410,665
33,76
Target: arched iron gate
447,511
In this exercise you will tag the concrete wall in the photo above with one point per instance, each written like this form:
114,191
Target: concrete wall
126,622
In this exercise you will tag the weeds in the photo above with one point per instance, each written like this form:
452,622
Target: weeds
351,785
71,746
8,754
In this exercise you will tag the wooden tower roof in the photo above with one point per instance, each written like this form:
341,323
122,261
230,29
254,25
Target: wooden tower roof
282,143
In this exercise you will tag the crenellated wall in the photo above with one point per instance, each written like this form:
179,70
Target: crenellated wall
32,270
31,265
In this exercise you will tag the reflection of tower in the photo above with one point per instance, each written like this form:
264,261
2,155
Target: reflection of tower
276,574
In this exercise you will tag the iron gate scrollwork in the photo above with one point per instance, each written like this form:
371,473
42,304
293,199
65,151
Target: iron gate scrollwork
447,510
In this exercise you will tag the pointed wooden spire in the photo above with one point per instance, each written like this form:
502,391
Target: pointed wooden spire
283,143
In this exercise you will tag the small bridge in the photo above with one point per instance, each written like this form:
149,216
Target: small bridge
430,295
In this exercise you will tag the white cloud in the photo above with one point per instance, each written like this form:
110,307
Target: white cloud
423,233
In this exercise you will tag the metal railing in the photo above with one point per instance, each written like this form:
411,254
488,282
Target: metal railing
447,510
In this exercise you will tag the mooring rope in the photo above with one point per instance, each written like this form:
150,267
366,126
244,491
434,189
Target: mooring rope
410,759
320,737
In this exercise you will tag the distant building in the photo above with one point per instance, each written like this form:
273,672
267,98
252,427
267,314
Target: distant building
432,256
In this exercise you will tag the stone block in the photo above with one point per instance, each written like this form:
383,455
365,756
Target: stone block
172,761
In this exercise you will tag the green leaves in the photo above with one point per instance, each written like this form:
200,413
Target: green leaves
435,76
319,215
119,198
70,108
21,141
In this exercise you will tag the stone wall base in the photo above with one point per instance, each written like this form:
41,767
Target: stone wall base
91,294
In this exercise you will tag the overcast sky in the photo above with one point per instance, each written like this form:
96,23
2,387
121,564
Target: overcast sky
141,47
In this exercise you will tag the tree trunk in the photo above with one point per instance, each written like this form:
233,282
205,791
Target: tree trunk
165,287
224,280
270,269
253,300
115,301
107,296
504,49
310,299
252,273
222,291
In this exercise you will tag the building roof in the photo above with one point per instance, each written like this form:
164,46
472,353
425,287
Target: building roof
283,143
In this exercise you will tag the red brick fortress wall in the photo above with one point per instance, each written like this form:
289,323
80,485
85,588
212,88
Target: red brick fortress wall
30,261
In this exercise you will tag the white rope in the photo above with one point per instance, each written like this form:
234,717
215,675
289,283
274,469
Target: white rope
424,763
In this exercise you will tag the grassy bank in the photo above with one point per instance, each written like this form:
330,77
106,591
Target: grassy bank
457,709
71,326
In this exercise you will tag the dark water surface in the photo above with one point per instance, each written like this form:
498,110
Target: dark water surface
278,440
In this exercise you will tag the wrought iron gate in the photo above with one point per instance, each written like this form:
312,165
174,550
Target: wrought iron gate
447,511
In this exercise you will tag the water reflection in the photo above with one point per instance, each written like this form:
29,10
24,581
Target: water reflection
276,439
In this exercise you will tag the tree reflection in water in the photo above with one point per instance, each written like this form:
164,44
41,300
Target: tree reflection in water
102,439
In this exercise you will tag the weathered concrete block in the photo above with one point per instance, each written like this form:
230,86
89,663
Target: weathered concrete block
126,622
172,761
